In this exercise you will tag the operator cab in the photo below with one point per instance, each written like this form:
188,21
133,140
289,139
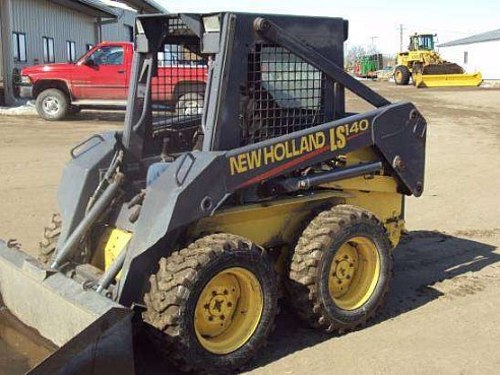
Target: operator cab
419,42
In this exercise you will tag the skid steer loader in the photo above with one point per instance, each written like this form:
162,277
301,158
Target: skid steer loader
201,222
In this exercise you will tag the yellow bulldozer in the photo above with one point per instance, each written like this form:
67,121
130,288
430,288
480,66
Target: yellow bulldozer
426,67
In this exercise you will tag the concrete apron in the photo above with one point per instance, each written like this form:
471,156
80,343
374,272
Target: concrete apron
58,307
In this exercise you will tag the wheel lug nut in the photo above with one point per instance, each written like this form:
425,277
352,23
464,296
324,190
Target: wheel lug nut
229,304
214,293
206,306
222,317
210,318
226,292
348,277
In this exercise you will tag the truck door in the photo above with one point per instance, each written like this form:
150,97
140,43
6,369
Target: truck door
102,75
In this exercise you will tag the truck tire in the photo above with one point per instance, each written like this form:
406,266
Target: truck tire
401,75
189,104
215,302
50,237
52,104
340,269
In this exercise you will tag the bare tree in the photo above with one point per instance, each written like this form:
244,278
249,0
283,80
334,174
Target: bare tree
353,54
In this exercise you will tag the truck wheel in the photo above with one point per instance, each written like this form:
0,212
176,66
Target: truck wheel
401,75
51,235
340,269
215,302
189,104
52,105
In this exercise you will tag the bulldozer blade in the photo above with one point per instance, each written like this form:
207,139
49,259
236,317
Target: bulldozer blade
53,304
448,80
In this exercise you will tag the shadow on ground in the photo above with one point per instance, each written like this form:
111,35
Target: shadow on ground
422,259
94,115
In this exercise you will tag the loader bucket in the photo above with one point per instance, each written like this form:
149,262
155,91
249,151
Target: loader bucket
447,80
56,306
105,347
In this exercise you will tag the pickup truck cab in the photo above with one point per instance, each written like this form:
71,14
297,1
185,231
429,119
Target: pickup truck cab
100,78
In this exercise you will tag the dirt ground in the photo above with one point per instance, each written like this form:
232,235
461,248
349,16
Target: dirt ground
442,314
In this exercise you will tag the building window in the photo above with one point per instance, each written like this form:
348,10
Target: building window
19,46
130,32
48,50
466,57
89,47
71,50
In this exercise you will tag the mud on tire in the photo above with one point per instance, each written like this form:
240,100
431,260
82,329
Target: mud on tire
310,274
181,282
50,237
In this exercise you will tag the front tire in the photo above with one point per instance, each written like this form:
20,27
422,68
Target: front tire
401,75
50,237
215,302
52,105
340,269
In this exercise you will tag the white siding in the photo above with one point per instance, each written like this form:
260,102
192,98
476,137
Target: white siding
39,18
482,57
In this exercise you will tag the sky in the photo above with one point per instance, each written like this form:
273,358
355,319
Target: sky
373,23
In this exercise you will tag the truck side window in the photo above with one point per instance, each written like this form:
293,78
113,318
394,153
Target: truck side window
112,55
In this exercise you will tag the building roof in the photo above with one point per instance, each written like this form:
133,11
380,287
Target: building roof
478,38
92,8
144,6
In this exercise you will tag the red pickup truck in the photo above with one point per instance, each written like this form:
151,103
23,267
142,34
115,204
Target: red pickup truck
100,78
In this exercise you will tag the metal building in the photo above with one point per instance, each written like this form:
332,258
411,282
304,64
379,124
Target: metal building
47,31
476,53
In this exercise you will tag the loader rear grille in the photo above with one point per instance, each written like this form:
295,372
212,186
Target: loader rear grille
283,94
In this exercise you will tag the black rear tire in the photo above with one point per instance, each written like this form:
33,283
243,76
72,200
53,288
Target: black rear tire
318,261
52,105
401,75
177,294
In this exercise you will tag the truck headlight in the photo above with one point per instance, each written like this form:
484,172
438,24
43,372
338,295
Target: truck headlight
26,80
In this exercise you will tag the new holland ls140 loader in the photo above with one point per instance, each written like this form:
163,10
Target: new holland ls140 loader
200,222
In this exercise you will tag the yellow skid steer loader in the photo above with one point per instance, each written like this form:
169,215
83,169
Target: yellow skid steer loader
191,226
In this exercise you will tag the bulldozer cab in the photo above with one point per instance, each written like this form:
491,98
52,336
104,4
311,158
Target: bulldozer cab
422,42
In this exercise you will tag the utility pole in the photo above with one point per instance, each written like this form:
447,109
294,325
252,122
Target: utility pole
372,48
401,29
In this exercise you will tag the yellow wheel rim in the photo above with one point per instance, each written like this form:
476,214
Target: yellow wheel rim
354,273
228,310
399,76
